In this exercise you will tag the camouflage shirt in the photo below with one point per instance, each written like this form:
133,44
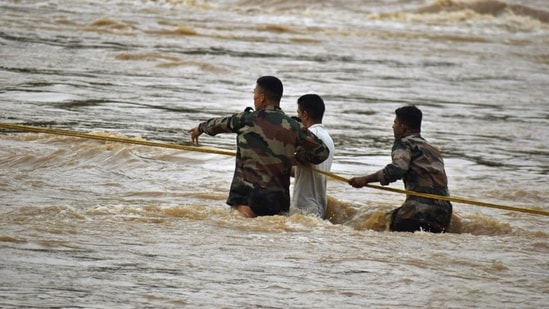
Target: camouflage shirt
266,140
419,164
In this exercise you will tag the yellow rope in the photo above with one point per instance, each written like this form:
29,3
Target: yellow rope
114,139
440,197
232,153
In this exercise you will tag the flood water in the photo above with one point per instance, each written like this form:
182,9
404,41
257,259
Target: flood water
93,224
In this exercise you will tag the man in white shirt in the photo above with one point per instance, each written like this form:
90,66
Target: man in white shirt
309,194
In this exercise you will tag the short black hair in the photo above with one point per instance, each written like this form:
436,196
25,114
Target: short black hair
411,116
313,105
272,87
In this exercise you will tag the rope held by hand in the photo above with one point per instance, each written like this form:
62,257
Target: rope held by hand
232,153
440,197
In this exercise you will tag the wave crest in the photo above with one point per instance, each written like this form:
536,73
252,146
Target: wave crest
484,7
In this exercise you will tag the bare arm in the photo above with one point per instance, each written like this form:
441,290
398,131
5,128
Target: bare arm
359,182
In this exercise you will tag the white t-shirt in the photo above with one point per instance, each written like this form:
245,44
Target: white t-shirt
309,194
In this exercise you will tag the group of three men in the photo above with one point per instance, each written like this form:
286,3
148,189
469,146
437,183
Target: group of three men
272,146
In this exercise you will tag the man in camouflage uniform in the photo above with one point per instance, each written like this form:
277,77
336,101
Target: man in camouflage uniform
421,167
268,143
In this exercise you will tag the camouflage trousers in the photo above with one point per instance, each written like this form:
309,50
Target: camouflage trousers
420,214
262,202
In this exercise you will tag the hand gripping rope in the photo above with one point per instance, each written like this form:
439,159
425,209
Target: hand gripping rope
232,153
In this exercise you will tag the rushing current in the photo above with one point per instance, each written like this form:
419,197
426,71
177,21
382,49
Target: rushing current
86,223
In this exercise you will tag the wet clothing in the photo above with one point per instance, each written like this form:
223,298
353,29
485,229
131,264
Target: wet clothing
266,141
421,168
309,195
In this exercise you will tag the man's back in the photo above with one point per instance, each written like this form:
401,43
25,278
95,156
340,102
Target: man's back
425,172
267,139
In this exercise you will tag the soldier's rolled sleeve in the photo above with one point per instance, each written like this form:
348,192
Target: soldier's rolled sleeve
390,174
396,169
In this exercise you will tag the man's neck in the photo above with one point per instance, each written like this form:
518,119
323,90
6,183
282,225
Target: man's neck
269,105
311,123
409,132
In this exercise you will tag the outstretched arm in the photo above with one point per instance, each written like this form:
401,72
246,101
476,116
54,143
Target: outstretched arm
401,156
215,126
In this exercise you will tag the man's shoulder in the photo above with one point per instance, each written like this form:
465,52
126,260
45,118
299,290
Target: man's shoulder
416,142
279,117
321,132
408,142
412,139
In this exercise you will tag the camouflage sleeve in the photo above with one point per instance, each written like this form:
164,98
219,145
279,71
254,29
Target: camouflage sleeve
400,164
229,124
312,149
